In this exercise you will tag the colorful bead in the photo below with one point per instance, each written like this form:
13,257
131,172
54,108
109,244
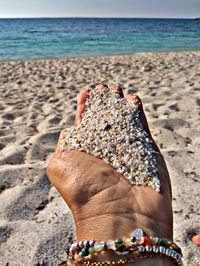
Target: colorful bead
148,248
84,252
118,243
165,242
141,249
81,244
133,239
147,240
162,250
136,233
173,254
127,241
167,251
98,247
140,240
155,249
86,244
154,240
91,243
110,244
91,250
74,245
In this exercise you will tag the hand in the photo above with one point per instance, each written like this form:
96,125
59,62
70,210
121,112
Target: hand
104,205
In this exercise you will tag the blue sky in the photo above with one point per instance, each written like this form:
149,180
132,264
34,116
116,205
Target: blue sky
100,8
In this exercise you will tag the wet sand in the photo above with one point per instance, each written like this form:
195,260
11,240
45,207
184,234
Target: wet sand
35,99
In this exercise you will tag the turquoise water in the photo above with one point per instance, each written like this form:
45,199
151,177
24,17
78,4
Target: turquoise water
56,38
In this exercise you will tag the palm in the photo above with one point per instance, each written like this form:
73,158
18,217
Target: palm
93,189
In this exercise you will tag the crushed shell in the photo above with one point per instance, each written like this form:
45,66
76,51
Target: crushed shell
111,130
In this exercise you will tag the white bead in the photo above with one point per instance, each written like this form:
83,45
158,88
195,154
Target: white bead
98,247
110,244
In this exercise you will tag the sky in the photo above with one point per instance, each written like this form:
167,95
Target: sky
100,8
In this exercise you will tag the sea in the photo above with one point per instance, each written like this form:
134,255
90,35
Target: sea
41,38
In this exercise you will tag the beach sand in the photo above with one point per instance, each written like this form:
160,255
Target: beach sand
37,96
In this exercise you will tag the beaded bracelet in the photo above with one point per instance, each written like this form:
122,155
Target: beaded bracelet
137,242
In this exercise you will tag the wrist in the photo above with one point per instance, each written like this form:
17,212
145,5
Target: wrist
103,228
107,227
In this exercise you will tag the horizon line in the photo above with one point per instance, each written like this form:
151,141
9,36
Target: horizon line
61,17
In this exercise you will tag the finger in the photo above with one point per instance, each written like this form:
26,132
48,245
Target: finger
143,119
61,137
101,86
118,90
81,105
135,98
196,240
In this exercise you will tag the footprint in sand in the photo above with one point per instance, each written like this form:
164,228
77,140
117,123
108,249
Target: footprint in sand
14,175
30,200
42,146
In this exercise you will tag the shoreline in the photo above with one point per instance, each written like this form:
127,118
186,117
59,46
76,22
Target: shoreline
97,56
